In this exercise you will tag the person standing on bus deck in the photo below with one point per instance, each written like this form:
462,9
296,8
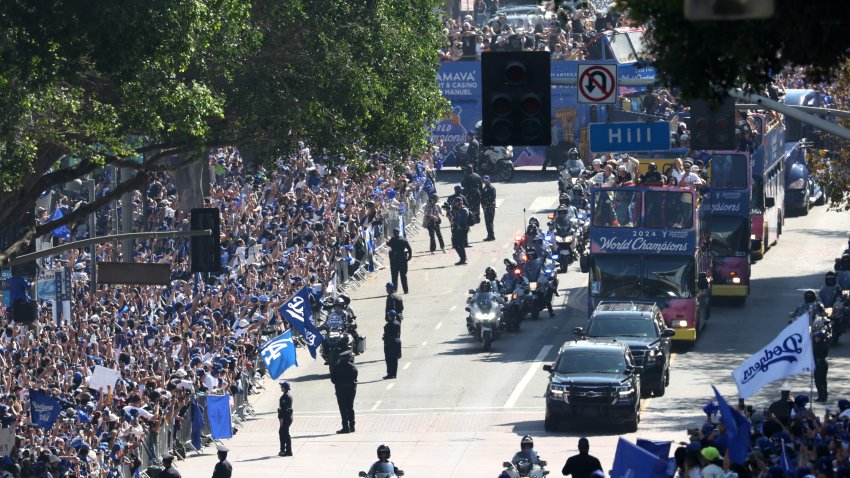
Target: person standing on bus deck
400,254
488,203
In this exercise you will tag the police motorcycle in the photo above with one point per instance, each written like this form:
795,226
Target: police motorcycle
336,329
383,468
542,282
525,463
565,230
518,298
818,320
570,172
836,304
484,321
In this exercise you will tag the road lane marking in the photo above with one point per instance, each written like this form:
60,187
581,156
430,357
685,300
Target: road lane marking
437,327
542,203
532,369
406,366
390,385
375,406
452,308
424,343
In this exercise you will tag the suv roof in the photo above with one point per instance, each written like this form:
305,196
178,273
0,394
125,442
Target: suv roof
591,345
625,308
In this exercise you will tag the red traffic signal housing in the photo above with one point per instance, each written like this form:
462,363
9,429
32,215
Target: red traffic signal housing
516,91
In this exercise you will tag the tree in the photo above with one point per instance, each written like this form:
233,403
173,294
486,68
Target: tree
833,168
705,58
105,82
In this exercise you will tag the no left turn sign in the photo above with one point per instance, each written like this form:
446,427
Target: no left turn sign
597,83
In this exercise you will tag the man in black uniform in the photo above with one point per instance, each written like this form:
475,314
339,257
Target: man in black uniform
284,415
472,188
460,229
488,203
392,344
820,349
473,149
583,464
344,378
394,302
781,409
169,471
400,254
652,177
458,194
223,469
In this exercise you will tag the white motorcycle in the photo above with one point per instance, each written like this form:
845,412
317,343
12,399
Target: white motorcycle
485,317
525,469
388,472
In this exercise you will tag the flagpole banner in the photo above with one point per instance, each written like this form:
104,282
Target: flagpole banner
44,409
279,354
218,413
298,313
632,461
737,430
788,354
197,425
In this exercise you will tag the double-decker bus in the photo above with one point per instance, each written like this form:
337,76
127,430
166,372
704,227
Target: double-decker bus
729,223
768,176
651,244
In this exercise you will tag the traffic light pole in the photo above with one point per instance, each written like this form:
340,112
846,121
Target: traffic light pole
797,112
101,239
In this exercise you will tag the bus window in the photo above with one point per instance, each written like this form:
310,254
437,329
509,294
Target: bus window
627,207
730,236
616,276
669,277
603,210
669,209
729,171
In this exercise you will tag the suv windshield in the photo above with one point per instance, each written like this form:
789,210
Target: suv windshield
591,361
669,277
621,327
729,236
616,276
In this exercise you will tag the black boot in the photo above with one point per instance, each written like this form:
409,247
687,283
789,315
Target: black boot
351,426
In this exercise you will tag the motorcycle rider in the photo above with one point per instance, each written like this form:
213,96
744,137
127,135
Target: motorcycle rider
383,465
652,177
486,288
509,278
830,292
532,270
339,317
565,213
490,274
526,452
809,306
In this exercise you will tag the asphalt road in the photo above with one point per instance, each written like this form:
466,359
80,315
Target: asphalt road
458,411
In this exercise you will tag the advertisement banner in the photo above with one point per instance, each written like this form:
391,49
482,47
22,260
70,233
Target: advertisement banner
627,240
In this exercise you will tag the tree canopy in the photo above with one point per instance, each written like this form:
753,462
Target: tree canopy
105,82
702,57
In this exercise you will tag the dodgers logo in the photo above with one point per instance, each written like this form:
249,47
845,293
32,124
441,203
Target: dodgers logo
788,351
295,308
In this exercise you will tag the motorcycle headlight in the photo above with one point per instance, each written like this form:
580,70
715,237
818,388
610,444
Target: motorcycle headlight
547,271
555,257
485,317
798,184
533,286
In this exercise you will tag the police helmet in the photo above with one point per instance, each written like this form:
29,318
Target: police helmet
830,278
485,286
531,230
573,154
390,285
345,299
809,296
526,443
510,263
565,201
534,221
392,314
339,302
577,190
653,167
383,449
490,272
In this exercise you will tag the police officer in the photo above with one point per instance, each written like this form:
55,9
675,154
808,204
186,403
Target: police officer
458,194
392,344
284,415
344,378
488,203
223,469
472,189
460,229
473,149
168,471
820,349
394,302
400,254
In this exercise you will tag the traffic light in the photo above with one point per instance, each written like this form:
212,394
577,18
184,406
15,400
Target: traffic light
712,129
516,99
206,250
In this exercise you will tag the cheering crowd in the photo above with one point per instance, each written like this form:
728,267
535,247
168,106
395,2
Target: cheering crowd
283,228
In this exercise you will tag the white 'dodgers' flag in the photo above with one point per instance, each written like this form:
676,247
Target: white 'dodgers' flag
788,354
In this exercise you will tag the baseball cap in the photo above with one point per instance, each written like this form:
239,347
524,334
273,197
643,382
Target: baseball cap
710,453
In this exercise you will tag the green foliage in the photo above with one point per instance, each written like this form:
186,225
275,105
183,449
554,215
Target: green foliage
698,57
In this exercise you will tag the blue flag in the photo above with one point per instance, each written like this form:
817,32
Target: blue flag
661,449
44,409
61,231
197,425
630,460
298,313
785,462
218,412
279,354
737,430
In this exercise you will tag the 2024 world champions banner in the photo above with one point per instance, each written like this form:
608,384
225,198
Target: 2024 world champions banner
627,240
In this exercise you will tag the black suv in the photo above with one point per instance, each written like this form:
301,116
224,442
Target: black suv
641,326
593,381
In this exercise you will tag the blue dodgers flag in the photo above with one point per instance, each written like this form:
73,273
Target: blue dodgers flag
61,231
44,409
197,425
632,461
737,430
218,413
298,313
660,449
279,354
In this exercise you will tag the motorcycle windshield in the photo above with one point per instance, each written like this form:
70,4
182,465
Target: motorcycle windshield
383,470
484,302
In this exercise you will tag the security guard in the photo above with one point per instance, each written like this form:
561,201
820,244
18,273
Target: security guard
460,229
488,203
392,344
472,188
169,471
394,302
820,349
223,469
284,415
344,378
400,254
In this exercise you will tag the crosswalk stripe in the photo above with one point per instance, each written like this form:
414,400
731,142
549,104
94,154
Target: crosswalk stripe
543,203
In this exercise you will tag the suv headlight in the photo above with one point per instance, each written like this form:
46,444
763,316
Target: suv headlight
798,184
623,391
559,392
652,356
